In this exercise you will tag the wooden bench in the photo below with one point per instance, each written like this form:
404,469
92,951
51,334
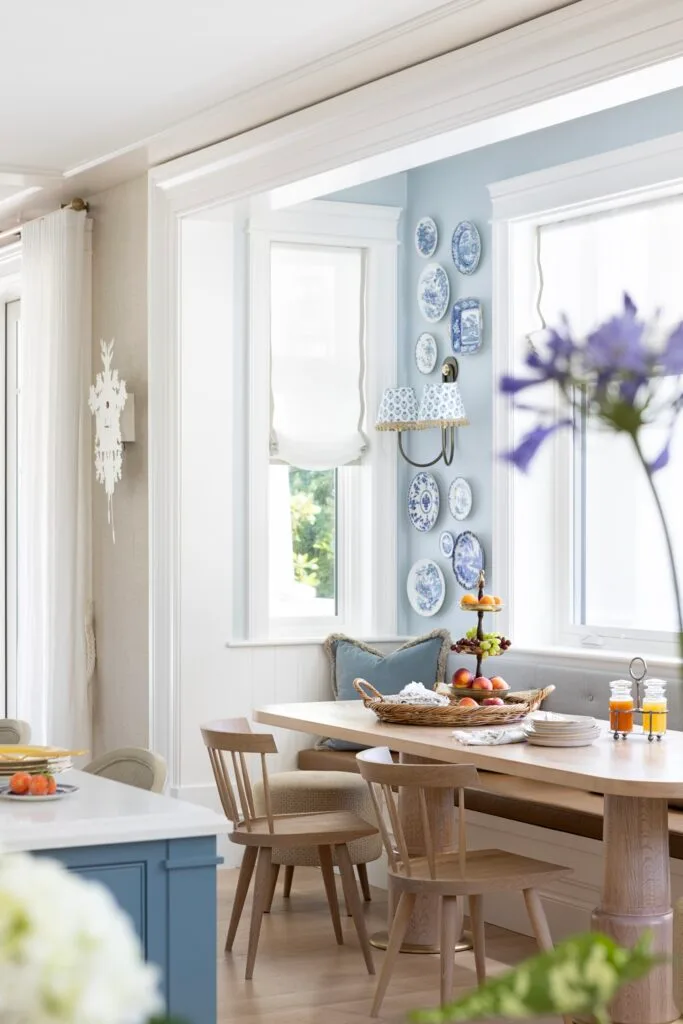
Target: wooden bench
525,800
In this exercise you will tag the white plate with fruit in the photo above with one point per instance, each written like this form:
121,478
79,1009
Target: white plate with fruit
35,788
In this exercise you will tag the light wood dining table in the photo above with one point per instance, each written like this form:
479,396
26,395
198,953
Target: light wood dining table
637,779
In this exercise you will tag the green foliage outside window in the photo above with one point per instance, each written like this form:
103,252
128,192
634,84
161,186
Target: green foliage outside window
313,509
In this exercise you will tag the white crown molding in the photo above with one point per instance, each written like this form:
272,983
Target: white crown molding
584,43
622,175
363,223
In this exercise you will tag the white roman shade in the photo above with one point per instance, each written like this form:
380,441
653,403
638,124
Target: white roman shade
316,355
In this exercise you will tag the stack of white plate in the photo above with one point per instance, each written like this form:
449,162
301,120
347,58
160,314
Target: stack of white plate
547,729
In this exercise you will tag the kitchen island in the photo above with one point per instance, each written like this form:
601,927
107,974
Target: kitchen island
158,858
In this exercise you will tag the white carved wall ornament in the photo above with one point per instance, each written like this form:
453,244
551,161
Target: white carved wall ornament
107,400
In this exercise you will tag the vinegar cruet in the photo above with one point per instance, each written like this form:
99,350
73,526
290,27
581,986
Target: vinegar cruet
620,708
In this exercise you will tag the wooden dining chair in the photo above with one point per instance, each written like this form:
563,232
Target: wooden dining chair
451,875
329,831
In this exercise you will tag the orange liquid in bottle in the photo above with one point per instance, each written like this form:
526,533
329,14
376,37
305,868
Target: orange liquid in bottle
621,714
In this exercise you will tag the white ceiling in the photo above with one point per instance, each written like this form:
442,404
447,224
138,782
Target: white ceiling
87,78
85,83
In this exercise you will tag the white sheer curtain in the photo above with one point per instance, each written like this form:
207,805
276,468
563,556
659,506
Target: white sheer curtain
53,558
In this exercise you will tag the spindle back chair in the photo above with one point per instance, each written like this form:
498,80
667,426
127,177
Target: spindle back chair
451,875
229,744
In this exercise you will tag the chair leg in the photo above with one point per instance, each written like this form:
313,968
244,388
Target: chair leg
289,875
354,903
477,921
451,925
362,870
246,871
274,872
539,924
262,886
399,928
325,855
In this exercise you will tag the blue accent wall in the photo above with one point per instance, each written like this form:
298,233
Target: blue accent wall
449,191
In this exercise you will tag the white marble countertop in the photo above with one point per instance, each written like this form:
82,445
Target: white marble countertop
101,813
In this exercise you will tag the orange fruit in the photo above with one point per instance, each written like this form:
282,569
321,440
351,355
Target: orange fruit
468,599
487,600
39,785
19,783
497,600
51,785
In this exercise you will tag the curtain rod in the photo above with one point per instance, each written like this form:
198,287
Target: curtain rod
76,204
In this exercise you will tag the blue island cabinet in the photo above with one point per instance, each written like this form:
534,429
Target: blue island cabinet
168,889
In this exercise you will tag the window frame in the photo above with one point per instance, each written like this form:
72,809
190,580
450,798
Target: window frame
629,176
10,292
366,523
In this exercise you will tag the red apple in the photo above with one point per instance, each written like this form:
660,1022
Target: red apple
462,678
493,701
482,683
499,683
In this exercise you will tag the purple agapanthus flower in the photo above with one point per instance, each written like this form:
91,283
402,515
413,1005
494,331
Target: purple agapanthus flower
522,455
613,374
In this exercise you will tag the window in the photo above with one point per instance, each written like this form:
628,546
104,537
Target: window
586,559
10,321
322,276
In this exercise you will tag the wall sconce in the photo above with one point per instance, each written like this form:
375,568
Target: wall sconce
441,406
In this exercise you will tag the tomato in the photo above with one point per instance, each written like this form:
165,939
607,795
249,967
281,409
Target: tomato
38,786
19,783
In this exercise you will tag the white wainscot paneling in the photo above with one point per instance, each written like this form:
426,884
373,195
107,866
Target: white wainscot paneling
568,902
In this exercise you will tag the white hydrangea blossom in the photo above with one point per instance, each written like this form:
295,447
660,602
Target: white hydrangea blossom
68,955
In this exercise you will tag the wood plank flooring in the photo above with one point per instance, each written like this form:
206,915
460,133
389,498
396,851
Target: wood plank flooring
303,977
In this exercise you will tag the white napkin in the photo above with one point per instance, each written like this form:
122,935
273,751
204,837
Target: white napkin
489,737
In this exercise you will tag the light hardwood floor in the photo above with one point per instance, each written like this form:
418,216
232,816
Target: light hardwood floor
303,977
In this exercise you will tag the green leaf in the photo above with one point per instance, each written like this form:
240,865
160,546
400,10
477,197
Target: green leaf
580,976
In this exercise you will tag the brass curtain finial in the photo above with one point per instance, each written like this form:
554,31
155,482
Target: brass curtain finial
77,204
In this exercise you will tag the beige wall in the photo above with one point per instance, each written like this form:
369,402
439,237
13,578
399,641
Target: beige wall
120,570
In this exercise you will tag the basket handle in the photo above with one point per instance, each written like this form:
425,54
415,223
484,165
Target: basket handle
362,686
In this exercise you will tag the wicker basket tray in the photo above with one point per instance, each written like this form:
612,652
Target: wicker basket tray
517,705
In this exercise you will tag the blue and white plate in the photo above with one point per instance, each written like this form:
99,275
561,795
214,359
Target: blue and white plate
426,353
446,543
433,292
426,587
423,502
63,789
468,559
466,247
467,326
460,498
426,237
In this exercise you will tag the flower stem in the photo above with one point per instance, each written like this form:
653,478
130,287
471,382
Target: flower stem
669,546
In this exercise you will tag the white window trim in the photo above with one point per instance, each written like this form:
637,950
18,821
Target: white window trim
369,489
620,178
10,291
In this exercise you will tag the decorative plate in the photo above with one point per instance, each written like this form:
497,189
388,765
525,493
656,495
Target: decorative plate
468,559
426,237
433,292
62,790
446,544
426,587
423,502
466,247
460,498
426,353
467,326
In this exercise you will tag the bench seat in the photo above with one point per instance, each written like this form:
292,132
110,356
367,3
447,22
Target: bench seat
504,796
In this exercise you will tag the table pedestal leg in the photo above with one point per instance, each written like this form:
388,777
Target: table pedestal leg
424,928
636,896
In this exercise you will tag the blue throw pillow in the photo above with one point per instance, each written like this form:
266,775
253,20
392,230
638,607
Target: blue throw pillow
421,661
